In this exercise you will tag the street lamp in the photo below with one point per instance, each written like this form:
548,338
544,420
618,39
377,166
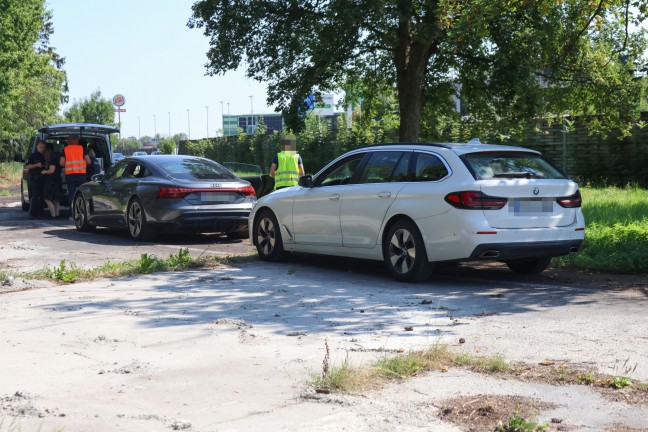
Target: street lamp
222,117
188,126
169,112
251,108
154,129
207,109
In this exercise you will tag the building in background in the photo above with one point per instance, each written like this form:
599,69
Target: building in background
249,122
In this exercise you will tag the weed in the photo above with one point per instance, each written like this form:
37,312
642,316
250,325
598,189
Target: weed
180,261
149,264
66,274
587,378
618,382
519,424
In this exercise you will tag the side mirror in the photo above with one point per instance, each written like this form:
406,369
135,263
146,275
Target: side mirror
18,158
305,181
97,178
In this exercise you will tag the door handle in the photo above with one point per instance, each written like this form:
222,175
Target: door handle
334,197
384,194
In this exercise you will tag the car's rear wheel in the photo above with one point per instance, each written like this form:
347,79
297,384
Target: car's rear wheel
138,228
80,214
404,253
25,205
267,237
529,266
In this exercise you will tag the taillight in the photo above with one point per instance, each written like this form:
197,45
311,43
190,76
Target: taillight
572,201
172,192
474,200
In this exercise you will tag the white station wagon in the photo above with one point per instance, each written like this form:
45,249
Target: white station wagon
411,205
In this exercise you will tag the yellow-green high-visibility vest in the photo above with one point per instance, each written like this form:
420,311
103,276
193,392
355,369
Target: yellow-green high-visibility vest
287,172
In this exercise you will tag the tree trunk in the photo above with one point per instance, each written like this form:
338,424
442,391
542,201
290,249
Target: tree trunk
411,59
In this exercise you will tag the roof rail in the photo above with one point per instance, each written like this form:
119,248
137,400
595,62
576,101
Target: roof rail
409,143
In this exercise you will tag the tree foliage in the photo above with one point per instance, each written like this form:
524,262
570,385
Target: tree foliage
94,109
509,60
32,80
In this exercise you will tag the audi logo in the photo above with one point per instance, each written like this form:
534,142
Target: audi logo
215,185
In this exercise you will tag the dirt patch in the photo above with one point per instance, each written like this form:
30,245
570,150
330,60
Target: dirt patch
485,412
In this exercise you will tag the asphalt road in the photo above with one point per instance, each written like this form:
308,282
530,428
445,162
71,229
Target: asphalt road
30,244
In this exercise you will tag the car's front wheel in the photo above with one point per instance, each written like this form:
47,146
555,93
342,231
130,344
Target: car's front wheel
267,237
529,266
138,228
404,253
80,214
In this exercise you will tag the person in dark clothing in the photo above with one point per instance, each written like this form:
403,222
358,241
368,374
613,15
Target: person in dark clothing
53,182
36,163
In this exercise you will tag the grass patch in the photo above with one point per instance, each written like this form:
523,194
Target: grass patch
519,424
347,378
147,263
616,236
10,175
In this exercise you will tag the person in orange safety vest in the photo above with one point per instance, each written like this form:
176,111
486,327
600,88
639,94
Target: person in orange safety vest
74,162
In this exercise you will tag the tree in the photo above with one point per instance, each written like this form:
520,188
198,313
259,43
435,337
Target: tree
167,146
511,58
32,80
94,109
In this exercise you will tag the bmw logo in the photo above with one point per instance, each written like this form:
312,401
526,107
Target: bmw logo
536,190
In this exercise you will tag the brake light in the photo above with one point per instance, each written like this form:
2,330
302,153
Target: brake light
169,192
572,201
174,193
474,200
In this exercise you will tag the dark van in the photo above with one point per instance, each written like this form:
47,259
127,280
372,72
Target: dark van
96,137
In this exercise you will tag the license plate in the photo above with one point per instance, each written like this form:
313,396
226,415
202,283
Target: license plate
217,197
531,207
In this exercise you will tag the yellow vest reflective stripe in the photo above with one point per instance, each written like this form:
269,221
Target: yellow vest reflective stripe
287,173
74,161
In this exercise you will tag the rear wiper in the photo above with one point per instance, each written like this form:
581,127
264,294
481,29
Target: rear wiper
522,174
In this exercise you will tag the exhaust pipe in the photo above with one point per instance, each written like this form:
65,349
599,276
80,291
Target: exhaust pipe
490,254
573,249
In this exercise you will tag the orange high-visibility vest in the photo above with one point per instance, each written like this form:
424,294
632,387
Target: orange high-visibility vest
74,161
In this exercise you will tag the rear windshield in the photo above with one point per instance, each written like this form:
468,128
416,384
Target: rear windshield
196,169
493,165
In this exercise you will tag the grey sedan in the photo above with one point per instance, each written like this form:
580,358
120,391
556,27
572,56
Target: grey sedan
147,195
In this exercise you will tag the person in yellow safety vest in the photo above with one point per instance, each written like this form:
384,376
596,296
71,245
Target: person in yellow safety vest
287,165
74,162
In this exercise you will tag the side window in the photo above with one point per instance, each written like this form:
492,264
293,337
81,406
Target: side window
429,167
136,170
385,166
341,173
117,171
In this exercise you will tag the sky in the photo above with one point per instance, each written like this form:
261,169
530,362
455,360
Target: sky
143,50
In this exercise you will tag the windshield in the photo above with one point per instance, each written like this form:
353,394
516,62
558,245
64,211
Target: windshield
196,170
490,165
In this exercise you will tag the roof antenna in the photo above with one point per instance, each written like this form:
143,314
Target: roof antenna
474,141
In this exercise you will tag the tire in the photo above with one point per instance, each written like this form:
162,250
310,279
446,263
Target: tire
267,237
529,266
25,205
404,253
138,228
80,214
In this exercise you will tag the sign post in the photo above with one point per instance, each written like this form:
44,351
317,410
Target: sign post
119,100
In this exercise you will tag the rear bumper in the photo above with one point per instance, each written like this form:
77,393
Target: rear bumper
220,222
509,251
